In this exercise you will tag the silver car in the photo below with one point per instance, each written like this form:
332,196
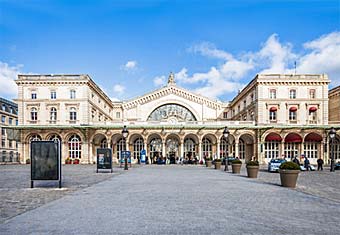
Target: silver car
274,165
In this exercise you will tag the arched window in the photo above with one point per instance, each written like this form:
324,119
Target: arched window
55,138
171,112
120,147
138,145
35,138
242,149
74,147
271,145
336,148
223,148
155,148
34,114
189,148
53,115
206,147
103,143
73,114
72,94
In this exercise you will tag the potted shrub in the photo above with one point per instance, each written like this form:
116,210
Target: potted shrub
28,161
76,161
217,163
252,169
68,161
236,166
289,172
208,162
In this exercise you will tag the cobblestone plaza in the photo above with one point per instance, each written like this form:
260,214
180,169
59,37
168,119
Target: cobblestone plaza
173,199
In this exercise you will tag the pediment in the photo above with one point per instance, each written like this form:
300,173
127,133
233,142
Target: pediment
174,90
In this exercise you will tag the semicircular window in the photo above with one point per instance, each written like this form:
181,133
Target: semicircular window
172,113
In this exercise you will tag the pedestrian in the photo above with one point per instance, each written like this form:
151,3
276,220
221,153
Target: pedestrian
320,163
295,160
306,164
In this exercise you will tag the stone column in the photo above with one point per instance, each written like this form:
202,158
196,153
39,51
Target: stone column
163,149
200,150
182,149
237,153
282,149
218,149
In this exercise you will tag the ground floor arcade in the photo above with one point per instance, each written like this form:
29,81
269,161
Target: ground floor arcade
189,142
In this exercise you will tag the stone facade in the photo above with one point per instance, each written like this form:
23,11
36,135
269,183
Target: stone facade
9,117
274,116
334,105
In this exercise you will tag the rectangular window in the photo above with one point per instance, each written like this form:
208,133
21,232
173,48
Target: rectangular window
33,95
16,122
10,144
292,115
244,104
73,116
3,119
3,142
117,114
225,115
72,94
239,108
3,131
271,149
272,94
292,94
312,93
53,95
10,121
272,115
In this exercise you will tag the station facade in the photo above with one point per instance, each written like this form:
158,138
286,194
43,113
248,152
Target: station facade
274,116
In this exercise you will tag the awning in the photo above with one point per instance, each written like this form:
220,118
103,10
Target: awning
312,109
273,137
293,138
273,109
293,109
313,137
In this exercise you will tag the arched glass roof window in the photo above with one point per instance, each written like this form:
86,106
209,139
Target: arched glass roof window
170,112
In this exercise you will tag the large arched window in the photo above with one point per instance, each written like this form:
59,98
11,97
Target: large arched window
74,147
55,138
189,148
138,145
53,115
34,114
172,112
206,147
242,149
120,147
103,143
155,148
35,138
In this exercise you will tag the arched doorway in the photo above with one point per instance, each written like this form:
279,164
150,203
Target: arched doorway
137,143
246,147
292,146
155,147
272,146
172,148
190,146
98,141
312,147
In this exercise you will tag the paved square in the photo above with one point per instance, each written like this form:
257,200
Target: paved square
180,200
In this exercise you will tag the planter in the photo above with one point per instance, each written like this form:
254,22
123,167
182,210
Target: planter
208,163
68,162
252,171
236,168
217,165
76,161
289,178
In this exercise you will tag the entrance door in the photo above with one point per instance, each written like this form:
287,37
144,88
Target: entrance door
172,150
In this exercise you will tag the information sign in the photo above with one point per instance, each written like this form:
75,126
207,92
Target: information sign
104,159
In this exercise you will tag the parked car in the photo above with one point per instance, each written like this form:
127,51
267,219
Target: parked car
274,164
311,168
337,166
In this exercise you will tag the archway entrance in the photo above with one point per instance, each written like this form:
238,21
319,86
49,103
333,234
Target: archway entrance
172,149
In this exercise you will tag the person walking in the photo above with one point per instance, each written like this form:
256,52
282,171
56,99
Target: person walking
295,160
306,164
320,164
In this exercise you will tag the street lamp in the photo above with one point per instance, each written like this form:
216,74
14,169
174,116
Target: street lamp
332,134
225,135
125,134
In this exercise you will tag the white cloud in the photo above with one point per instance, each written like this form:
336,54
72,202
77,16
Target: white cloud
8,74
130,65
159,81
118,89
321,55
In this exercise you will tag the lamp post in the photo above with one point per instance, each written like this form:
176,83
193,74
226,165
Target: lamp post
225,135
125,134
332,134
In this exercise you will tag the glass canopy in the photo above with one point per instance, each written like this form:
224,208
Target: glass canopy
172,113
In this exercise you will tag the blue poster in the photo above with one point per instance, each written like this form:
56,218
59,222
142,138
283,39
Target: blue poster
142,155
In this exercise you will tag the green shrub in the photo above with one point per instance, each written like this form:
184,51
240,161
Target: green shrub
208,159
236,161
289,166
217,160
28,161
253,163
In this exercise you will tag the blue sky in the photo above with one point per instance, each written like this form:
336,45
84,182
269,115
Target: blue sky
129,47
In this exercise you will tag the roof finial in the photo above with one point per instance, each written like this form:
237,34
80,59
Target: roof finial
171,79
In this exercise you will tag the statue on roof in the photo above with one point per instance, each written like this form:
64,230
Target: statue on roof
171,79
